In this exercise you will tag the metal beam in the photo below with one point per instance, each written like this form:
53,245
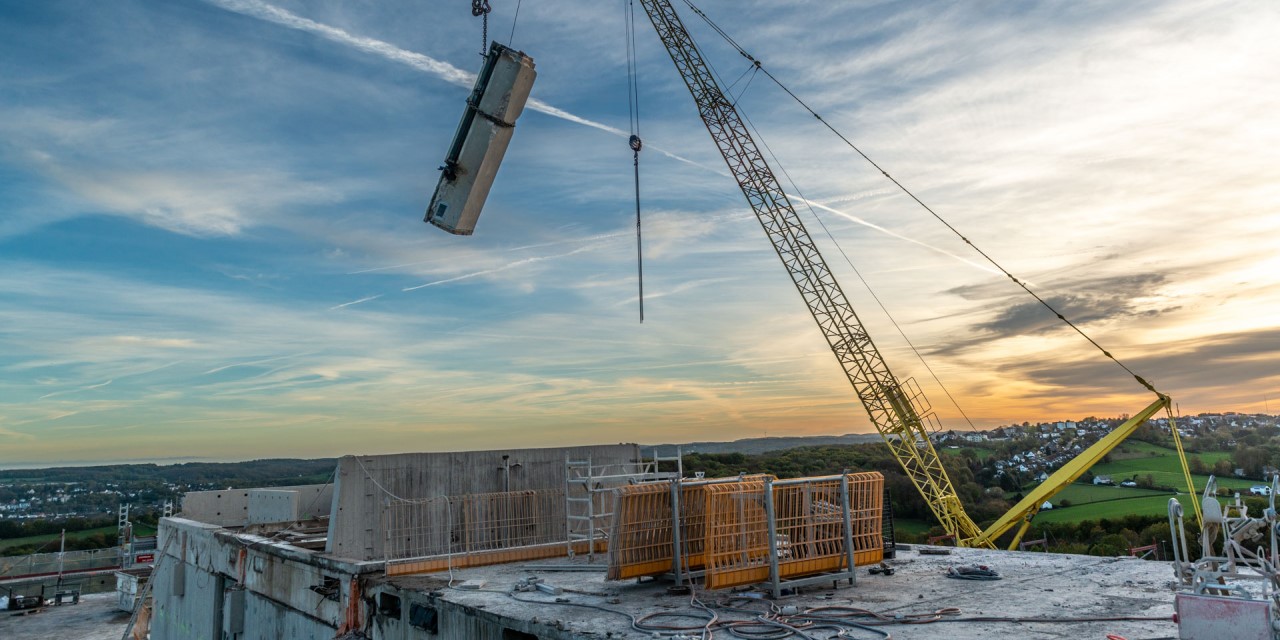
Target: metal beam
1029,506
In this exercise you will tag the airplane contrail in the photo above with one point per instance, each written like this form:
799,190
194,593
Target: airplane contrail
510,265
353,302
421,62
453,75
92,386
894,234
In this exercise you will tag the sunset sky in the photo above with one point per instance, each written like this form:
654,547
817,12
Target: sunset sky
211,236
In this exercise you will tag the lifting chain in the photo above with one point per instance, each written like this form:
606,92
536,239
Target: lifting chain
481,8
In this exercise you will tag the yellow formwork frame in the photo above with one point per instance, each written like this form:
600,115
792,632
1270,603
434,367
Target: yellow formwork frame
807,523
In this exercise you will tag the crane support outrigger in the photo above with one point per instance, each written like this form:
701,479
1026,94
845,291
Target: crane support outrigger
893,410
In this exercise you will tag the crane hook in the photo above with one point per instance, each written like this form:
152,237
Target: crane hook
480,7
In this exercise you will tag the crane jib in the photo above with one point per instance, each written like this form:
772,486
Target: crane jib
898,414
895,418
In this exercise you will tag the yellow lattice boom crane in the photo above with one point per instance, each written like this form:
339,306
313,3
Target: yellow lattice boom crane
896,409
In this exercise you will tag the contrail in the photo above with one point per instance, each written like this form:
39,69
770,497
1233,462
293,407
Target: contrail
347,304
92,386
454,75
600,236
872,225
438,68
253,362
504,267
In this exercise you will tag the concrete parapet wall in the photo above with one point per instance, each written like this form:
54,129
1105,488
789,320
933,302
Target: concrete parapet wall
363,485
233,507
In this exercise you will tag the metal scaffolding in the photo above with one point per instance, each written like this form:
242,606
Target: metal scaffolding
588,494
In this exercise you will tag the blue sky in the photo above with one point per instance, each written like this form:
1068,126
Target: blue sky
211,241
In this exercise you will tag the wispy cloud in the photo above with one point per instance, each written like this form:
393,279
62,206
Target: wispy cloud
355,302
506,267
85,388
421,62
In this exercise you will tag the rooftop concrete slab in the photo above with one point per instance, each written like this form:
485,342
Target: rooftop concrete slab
1065,588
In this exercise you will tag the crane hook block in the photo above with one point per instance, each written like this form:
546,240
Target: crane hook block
500,93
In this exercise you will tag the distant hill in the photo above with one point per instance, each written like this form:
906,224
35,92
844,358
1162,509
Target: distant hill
250,473
761,445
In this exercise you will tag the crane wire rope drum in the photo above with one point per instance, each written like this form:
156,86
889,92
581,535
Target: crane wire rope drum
634,141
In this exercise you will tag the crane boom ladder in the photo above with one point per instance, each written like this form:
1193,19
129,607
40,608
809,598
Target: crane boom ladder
889,408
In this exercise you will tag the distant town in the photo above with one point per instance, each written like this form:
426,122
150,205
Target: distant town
1240,449
1030,452
1022,453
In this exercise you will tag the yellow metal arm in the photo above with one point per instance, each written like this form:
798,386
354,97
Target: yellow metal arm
1030,505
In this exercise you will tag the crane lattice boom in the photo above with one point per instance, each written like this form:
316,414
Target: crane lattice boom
891,410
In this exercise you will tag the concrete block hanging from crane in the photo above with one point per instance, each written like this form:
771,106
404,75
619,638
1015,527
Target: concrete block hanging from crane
500,93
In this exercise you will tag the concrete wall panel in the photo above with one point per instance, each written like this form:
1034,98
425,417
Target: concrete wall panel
363,484
230,507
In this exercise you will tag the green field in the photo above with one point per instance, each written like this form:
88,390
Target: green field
48,543
914,527
1080,494
1141,458
978,452
1143,505
1092,502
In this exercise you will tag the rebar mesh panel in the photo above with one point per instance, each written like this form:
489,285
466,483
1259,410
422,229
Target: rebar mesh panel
737,535
866,517
809,521
640,537
461,525
808,518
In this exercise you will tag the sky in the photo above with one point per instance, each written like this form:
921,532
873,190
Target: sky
211,236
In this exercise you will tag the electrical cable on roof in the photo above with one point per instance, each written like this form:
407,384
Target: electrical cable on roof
1022,284
633,110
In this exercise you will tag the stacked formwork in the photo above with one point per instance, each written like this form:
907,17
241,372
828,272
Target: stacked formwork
749,530
730,531
642,534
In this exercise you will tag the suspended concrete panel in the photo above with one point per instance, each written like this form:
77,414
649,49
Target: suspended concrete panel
500,93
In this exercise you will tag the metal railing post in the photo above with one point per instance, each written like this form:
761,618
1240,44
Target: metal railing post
848,527
773,538
676,553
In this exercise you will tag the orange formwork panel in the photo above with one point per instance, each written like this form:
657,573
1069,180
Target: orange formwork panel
808,530
641,537
737,535
809,521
